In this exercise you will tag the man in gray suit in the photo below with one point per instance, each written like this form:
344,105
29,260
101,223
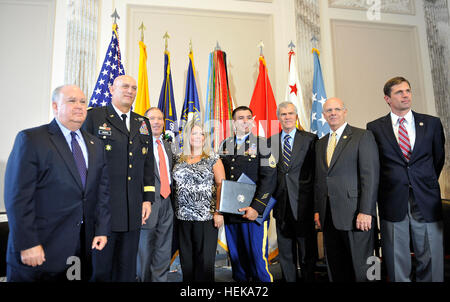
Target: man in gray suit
345,194
155,242
294,194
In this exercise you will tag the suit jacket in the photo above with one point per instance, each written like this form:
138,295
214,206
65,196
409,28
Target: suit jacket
255,160
130,163
420,174
45,200
153,219
351,181
295,182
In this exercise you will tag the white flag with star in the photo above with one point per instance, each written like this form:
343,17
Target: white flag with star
294,92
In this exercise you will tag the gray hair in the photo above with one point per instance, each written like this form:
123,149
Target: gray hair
284,105
57,93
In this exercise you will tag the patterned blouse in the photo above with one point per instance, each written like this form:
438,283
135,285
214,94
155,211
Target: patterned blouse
195,190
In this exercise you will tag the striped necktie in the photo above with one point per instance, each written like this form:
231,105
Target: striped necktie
287,150
403,139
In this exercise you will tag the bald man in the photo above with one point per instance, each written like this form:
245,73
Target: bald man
346,184
127,140
56,195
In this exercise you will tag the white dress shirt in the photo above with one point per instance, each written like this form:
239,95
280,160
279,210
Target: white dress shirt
119,113
409,125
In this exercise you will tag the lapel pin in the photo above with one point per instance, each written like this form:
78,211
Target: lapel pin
345,136
420,124
92,142
112,115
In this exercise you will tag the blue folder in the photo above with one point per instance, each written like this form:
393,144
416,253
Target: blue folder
245,179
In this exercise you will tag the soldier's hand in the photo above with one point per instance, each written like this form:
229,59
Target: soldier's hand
250,213
146,210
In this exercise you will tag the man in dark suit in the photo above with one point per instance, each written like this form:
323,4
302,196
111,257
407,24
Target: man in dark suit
56,195
127,139
412,154
155,244
247,240
295,195
346,185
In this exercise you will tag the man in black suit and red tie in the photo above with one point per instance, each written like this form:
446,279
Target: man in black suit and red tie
412,155
56,195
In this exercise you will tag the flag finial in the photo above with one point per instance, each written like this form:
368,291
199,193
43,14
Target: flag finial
291,45
261,46
115,15
166,38
142,28
190,45
217,46
314,41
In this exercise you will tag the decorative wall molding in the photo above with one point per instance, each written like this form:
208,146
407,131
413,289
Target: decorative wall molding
81,45
405,7
437,22
307,25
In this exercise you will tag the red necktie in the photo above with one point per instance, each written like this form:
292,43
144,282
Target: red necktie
163,176
403,139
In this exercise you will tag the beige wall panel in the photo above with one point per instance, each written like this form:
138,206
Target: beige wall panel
365,56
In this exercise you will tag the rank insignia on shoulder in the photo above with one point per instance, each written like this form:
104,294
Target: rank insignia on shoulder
143,129
144,150
108,147
272,161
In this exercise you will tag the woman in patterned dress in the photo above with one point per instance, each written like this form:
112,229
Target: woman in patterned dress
198,174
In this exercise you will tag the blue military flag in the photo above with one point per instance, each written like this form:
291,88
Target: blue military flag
111,69
166,101
319,125
191,106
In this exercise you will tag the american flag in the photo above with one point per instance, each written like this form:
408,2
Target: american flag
318,124
111,68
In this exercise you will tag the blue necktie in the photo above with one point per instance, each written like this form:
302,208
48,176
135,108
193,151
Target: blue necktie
287,150
79,158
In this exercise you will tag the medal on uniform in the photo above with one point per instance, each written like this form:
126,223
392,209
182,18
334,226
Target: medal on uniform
144,150
108,147
143,129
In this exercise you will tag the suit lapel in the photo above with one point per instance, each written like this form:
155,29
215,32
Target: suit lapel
63,149
343,140
168,152
420,134
90,150
135,125
390,136
116,120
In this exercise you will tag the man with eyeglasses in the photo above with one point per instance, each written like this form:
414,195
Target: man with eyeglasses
345,194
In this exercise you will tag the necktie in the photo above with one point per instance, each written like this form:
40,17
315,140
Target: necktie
403,139
331,147
124,119
163,176
79,158
287,150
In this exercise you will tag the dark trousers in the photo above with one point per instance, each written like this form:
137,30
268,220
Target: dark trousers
296,247
347,251
117,261
198,244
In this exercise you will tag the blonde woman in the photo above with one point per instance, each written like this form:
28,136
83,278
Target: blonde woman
198,174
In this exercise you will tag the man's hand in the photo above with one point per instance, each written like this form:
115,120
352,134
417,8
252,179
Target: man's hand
99,242
363,222
33,256
146,210
250,213
317,221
